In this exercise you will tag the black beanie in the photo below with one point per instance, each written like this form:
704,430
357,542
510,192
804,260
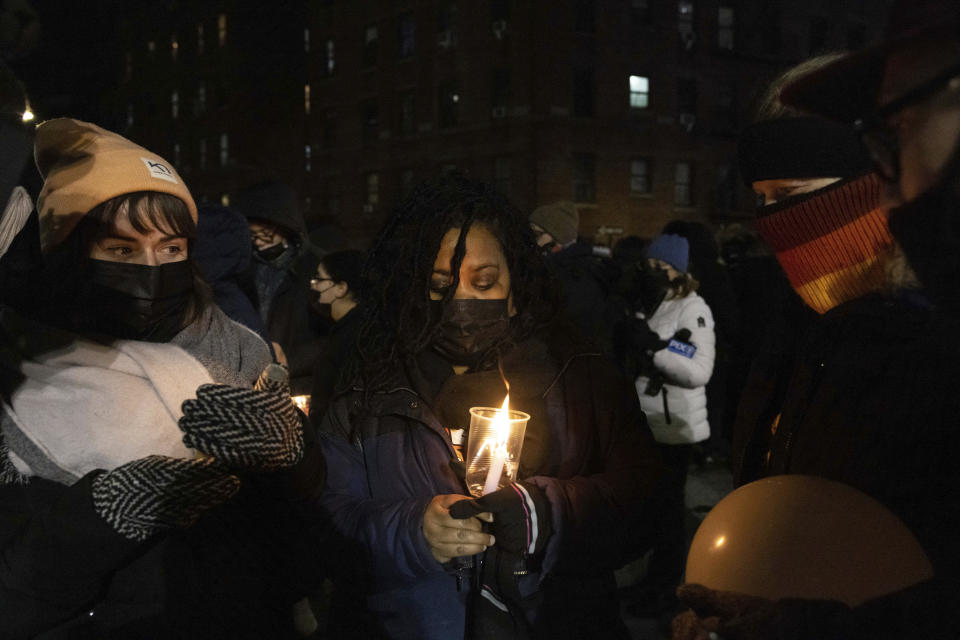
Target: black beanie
801,147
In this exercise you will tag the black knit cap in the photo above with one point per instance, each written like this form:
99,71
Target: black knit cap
801,147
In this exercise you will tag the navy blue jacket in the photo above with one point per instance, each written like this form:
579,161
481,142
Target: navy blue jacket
387,459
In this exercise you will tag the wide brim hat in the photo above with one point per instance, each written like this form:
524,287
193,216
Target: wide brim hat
848,89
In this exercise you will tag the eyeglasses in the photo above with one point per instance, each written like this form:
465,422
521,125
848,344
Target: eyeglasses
315,283
880,139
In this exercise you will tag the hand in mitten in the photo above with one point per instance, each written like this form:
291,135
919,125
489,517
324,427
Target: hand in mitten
736,616
156,493
521,516
646,339
256,429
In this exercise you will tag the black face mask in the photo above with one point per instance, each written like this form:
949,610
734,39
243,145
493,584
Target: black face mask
139,302
469,328
269,254
928,230
652,288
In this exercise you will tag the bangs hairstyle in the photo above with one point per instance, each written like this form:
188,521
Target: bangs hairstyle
66,267
397,321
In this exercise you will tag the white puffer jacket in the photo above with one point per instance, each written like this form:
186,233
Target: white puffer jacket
678,414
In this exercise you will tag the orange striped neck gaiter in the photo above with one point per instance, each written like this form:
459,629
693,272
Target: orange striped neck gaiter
830,242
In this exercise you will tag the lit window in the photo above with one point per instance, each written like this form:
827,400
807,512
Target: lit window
682,184
725,25
685,21
306,40
330,62
306,99
225,199
306,156
584,177
639,92
408,34
371,35
224,149
372,183
640,176
201,97
151,47
200,41
203,153
174,47
222,29
175,104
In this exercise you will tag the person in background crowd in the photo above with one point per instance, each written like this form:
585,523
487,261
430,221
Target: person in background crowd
586,279
281,296
454,294
674,336
337,286
119,519
870,399
716,290
222,251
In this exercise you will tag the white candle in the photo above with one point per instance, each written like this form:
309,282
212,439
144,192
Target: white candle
496,469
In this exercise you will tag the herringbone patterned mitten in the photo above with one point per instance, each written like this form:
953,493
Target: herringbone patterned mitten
156,493
246,429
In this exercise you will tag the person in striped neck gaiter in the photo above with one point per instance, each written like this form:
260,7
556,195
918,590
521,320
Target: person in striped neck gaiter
820,207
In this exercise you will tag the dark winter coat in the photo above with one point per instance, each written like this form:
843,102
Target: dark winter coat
222,251
868,396
586,281
236,573
587,447
332,367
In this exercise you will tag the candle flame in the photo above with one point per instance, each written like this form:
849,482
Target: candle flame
501,422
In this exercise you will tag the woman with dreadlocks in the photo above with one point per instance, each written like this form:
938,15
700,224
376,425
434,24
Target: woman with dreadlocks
456,299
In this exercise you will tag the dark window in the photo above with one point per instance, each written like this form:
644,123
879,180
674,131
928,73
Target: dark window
370,121
371,190
640,12
500,90
584,177
641,176
448,99
503,174
818,35
726,188
329,130
726,111
447,24
407,123
726,23
685,22
687,96
683,184
406,182
371,37
407,35
770,34
585,16
499,10
328,62
583,93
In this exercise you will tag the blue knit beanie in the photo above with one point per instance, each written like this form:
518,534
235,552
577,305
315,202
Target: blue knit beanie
674,250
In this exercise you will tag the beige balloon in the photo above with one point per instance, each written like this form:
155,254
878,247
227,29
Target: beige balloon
807,537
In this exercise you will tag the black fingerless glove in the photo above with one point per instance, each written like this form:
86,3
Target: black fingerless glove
156,493
256,429
521,516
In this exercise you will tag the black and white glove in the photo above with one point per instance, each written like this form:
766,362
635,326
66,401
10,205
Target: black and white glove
257,429
521,516
156,493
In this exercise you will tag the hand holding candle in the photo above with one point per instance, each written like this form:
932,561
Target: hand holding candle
494,444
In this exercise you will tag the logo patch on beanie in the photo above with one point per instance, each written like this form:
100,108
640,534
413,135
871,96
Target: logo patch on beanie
159,170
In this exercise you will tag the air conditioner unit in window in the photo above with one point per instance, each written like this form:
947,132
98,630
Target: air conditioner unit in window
445,39
688,120
499,29
499,112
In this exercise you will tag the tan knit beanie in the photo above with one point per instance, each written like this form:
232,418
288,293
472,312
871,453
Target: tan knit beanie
560,219
84,166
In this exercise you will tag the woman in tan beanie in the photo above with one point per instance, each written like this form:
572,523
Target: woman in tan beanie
131,417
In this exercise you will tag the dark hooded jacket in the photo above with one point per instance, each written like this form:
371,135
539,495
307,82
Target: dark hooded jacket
282,296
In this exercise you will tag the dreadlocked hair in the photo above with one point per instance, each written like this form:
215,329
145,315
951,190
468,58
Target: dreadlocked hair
396,318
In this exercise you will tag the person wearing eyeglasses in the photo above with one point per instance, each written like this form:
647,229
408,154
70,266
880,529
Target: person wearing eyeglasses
870,395
337,286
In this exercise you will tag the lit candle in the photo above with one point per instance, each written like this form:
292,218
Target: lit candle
501,427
